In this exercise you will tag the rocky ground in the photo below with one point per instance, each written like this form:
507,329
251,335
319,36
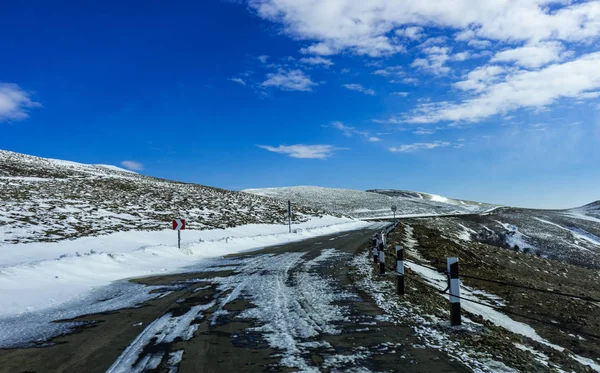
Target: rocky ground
568,322
46,200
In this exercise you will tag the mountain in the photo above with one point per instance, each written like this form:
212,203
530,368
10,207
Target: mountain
374,203
50,200
571,235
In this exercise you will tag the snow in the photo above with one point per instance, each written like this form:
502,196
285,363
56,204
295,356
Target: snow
34,276
514,237
114,168
162,330
371,204
578,233
439,281
435,197
292,303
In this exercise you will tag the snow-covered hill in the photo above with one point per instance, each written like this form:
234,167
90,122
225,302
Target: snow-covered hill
571,235
372,203
50,200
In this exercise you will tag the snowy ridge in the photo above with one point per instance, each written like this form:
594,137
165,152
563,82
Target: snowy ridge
372,203
52,200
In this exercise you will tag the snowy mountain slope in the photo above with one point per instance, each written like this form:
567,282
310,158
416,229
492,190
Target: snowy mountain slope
431,197
571,235
49,200
372,203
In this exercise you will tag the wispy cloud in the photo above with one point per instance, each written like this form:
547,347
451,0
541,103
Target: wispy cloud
424,131
132,165
520,89
351,131
403,94
409,148
317,61
15,102
412,33
238,80
395,71
263,58
411,81
533,55
289,80
359,88
303,151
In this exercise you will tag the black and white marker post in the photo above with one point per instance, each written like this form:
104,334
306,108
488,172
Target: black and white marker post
400,269
454,285
375,250
382,255
290,215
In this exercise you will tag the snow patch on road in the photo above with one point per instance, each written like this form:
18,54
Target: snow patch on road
162,330
294,304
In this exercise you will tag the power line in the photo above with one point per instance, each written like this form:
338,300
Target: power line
554,292
582,297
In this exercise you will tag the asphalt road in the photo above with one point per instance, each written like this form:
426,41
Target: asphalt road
281,309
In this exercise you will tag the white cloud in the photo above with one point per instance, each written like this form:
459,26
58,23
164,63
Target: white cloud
464,35
351,131
419,146
433,41
435,61
532,55
480,78
262,59
303,151
521,89
588,95
479,44
390,71
359,88
403,94
317,61
413,81
289,80
462,56
132,165
364,27
238,80
424,131
412,33
14,102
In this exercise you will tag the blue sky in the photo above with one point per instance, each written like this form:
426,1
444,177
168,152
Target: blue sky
496,101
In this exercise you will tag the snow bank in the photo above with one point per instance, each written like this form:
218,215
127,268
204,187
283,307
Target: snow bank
35,276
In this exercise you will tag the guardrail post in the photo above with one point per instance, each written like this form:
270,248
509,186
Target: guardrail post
454,285
381,262
400,269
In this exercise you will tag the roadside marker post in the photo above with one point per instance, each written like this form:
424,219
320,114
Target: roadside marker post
375,254
454,285
381,244
290,215
374,245
381,262
400,269
178,225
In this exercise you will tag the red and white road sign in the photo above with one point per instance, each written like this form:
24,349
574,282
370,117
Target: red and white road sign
179,224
